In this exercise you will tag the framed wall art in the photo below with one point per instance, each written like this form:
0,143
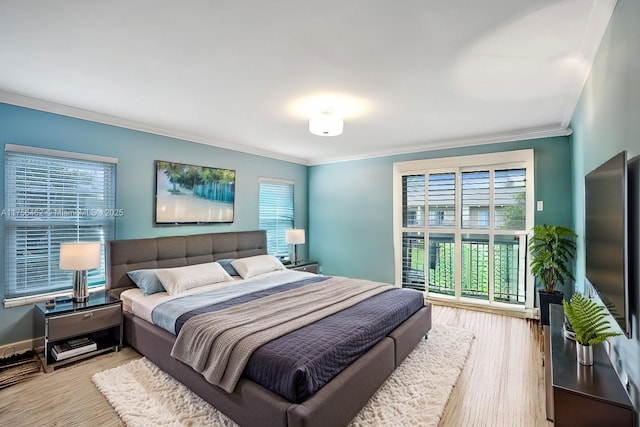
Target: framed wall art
190,194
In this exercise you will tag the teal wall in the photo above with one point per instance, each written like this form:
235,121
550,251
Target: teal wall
351,215
136,152
607,121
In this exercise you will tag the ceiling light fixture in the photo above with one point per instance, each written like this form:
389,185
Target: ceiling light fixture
327,123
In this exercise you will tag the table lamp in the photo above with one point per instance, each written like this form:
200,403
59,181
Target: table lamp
80,257
294,237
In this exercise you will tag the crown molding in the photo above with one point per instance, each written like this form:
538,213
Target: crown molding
78,113
92,116
455,143
599,19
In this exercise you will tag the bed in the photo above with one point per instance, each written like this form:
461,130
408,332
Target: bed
249,402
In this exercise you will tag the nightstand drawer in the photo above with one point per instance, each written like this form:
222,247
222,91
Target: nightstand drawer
83,322
309,268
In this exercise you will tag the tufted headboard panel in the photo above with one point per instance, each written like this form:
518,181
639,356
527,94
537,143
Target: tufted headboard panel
123,256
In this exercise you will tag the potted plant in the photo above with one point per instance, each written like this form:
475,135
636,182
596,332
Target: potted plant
587,320
552,249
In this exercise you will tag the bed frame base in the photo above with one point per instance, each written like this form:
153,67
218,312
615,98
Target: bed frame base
334,405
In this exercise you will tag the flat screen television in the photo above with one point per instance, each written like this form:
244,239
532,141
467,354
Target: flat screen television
607,235
634,244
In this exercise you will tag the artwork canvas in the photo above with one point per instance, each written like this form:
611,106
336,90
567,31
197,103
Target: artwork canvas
190,194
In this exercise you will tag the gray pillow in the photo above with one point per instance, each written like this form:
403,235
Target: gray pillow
226,264
147,281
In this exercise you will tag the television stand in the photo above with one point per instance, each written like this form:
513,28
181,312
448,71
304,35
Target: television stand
580,395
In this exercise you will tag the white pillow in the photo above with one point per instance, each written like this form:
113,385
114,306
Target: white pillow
179,279
259,264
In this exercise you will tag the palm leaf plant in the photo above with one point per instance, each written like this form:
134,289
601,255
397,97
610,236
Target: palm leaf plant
588,320
552,249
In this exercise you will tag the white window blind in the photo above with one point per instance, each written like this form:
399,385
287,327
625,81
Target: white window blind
442,200
275,213
509,199
53,197
475,199
413,201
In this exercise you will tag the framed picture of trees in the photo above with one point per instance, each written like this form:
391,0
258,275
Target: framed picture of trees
190,194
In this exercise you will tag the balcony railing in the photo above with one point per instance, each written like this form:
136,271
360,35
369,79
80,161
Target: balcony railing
508,283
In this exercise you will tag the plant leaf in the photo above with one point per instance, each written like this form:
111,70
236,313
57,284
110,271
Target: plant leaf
588,320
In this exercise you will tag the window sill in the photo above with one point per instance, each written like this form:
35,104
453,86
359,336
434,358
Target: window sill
32,299
485,306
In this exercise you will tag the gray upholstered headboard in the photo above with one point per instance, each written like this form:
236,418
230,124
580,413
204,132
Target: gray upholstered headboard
177,251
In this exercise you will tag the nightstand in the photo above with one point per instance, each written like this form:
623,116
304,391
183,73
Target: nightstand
308,266
99,318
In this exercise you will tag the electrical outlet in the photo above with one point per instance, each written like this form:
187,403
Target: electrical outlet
540,205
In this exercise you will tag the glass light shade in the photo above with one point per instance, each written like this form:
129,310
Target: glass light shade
294,236
326,124
79,256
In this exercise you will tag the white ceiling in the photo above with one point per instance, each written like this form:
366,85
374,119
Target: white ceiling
411,75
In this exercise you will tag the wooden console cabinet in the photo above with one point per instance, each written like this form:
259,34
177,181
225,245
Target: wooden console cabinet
580,395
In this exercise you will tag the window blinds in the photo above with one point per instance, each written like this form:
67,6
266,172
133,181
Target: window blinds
275,214
509,199
53,197
442,200
413,201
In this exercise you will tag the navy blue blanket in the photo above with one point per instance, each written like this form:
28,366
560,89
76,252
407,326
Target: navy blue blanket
298,364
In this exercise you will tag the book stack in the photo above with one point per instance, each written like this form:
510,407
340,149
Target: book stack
74,347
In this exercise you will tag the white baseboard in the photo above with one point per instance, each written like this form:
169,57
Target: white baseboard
8,350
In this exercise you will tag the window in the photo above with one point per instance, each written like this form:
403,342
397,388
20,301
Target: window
473,245
53,197
275,213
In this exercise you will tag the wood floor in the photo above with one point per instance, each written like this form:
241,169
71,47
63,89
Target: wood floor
502,383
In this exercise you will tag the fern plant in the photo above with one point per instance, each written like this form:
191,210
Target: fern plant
587,320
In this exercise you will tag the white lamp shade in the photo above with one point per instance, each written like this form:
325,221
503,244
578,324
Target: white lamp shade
294,236
79,256
326,124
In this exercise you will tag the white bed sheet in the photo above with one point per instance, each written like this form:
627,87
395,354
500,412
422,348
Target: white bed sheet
136,302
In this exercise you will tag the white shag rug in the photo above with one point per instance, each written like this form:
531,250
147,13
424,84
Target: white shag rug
415,394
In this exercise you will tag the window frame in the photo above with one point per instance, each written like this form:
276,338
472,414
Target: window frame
41,220
519,159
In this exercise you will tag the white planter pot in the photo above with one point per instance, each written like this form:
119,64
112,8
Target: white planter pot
584,354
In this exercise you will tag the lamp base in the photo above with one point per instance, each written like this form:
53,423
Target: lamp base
296,257
80,290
